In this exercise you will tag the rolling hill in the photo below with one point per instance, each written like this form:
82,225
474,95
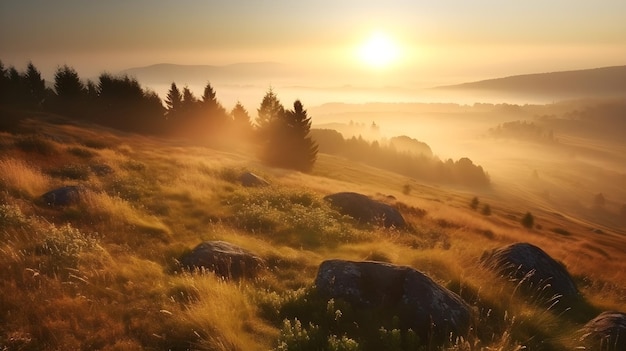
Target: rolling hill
597,82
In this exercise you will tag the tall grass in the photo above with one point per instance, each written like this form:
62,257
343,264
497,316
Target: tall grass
20,177
115,211
221,315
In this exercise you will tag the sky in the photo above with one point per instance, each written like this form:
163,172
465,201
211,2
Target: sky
437,42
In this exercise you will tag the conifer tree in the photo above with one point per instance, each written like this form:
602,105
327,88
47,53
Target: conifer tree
212,109
70,92
241,118
35,86
286,140
173,101
189,103
302,148
269,112
67,84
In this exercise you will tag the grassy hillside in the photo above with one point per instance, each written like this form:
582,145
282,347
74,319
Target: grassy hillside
103,274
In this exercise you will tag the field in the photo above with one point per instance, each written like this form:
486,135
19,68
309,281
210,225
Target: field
104,273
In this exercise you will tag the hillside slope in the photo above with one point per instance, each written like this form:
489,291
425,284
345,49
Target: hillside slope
598,82
103,273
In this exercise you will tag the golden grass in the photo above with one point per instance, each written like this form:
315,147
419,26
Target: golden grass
115,210
124,294
222,315
19,176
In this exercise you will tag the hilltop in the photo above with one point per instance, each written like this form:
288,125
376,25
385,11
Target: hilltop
597,82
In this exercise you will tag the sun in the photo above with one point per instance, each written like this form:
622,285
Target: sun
378,51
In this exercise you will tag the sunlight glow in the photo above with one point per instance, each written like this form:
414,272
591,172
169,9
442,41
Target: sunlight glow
378,51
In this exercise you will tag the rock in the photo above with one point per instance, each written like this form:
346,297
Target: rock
421,304
540,275
362,208
224,259
65,196
605,332
250,179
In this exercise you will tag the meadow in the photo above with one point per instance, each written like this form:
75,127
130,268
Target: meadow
104,274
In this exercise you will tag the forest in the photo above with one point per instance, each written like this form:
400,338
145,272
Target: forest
283,136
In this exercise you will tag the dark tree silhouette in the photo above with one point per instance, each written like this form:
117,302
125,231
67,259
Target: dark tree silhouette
189,102
125,105
35,87
4,84
212,112
271,109
67,83
71,94
209,102
241,119
173,101
288,143
303,148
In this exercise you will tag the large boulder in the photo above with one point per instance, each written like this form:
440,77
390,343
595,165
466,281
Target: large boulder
362,208
606,332
249,179
224,259
64,196
431,310
538,274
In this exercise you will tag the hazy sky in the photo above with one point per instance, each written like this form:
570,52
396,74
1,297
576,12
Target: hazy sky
437,41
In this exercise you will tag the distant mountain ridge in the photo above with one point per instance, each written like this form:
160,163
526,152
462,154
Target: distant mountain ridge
579,83
165,73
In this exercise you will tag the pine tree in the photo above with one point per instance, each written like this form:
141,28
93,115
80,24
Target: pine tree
35,86
173,101
287,142
302,148
70,92
212,110
189,103
269,112
241,118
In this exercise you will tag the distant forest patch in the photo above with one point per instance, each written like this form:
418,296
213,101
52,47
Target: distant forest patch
403,155
522,130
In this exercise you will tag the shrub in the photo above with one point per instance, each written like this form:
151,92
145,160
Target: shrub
71,171
81,152
65,244
528,221
297,217
486,210
474,203
96,144
36,144
12,216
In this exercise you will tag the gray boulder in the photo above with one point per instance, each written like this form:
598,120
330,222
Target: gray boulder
250,179
362,208
64,196
224,259
606,332
431,310
539,274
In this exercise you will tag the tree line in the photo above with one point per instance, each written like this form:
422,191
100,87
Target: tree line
396,156
121,102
